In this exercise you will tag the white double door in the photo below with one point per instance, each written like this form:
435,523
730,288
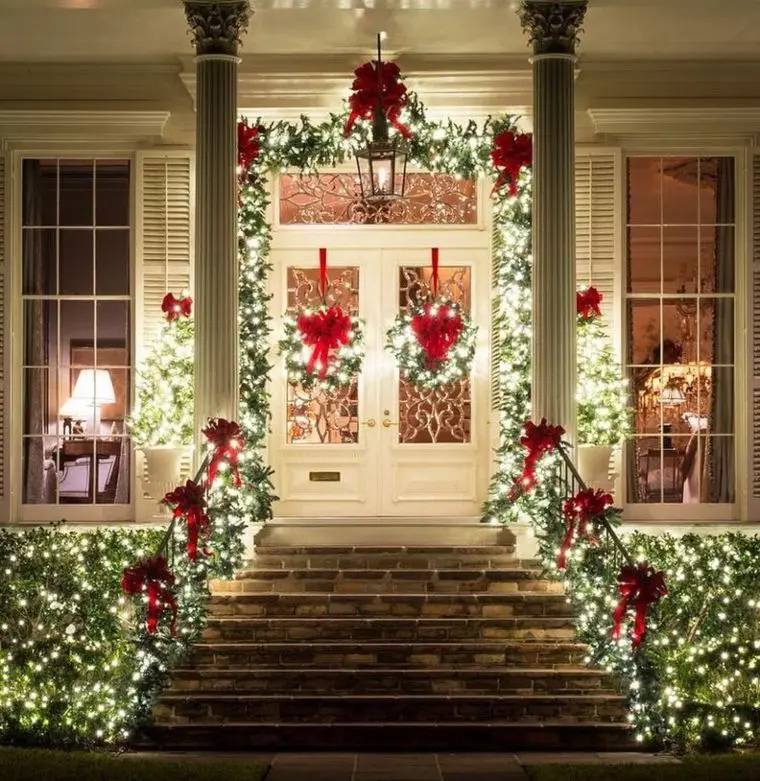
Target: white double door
381,447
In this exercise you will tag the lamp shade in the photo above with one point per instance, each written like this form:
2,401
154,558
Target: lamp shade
94,388
74,408
672,396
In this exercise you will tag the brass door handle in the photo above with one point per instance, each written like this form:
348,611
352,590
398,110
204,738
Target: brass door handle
388,423
371,423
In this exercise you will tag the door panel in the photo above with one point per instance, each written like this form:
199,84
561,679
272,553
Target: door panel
381,447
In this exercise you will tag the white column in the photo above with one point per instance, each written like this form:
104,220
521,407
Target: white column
216,28
553,29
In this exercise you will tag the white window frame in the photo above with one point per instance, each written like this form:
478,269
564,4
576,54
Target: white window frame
21,513
699,513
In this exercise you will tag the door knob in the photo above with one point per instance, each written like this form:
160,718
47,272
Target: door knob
388,423
371,423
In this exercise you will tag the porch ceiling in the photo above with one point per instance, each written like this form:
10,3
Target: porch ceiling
154,30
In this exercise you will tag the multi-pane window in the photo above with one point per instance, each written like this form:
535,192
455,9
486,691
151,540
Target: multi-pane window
680,291
77,357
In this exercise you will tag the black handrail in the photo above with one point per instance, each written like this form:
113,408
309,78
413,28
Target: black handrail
571,490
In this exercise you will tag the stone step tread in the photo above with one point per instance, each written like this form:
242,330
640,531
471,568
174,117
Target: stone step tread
387,620
347,646
372,573
313,598
428,697
199,725
412,672
281,550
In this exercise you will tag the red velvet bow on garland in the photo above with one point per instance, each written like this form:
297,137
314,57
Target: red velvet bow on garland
587,304
538,440
641,587
227,438
189,502
156,578
510,154
365,97
174,308
249,146
579,511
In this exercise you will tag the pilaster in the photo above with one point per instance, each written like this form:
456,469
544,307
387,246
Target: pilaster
553,29
216,29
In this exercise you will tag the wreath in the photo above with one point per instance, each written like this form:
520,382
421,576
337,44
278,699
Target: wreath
433,340
323,347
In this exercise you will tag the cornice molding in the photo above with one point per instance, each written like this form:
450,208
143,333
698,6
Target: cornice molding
735,122
30,126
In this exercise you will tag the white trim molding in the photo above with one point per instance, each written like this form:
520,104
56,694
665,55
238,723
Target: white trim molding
23,128
725,124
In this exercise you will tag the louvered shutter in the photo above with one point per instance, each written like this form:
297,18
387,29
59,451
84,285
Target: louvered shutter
753,508
165,236
596,178
4,357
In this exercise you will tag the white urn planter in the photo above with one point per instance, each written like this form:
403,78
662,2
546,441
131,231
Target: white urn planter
594,465
164,467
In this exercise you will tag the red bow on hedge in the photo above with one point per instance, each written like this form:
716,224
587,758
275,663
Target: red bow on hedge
587,303
189,502
227,438
153,575
437,329
538,440
579,511
324,331
365,95
249,146
641,587
510,154
175,308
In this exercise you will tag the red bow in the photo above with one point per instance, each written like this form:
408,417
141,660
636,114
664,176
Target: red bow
367,93
642,587
579,511
324,331
587,304
248,145
227,438
153,575
538,440
175,308
189,502
437,332
510,154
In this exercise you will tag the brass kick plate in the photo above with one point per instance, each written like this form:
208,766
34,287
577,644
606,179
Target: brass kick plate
324,477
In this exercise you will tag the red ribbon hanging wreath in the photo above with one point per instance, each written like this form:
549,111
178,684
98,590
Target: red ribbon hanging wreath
248,145
153,575
579,511
538,440
510,154
368,90
227,438
641,587
189,502
326,330
587,304
174,308
438,327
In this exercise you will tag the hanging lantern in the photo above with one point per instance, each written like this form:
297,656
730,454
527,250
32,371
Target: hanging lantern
382,164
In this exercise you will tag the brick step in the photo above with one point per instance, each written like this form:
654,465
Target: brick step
279,630
379,709
388,655
395,557
382,581
505,680
441,736
524,603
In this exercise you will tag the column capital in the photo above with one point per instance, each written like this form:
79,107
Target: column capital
553,27
216,25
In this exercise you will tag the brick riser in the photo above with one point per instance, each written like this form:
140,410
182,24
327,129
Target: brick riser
347,648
